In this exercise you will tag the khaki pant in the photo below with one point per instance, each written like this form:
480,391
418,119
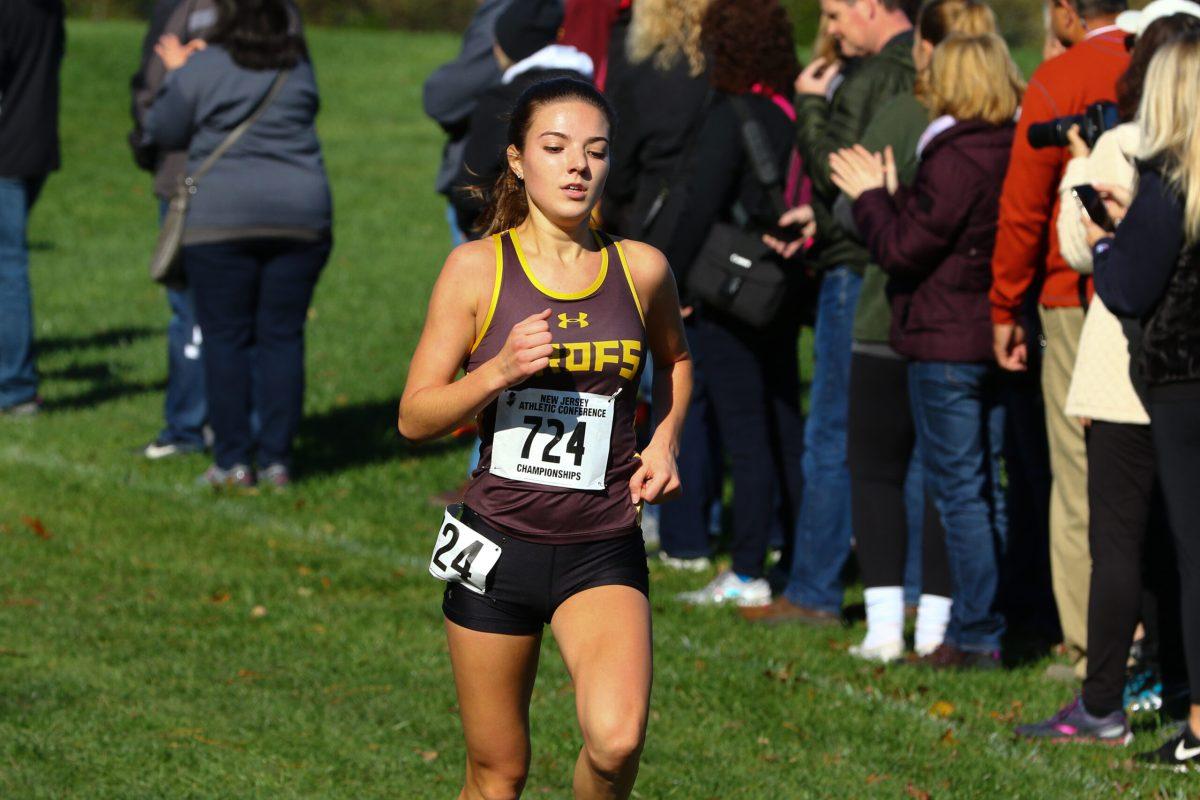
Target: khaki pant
1070,558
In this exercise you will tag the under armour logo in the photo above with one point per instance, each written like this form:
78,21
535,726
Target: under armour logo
581,320
512,396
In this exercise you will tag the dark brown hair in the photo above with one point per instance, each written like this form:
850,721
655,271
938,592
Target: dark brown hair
1158,33
259,34
507,205
749,42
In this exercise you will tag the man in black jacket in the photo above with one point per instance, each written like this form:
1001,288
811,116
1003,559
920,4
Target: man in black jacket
32,41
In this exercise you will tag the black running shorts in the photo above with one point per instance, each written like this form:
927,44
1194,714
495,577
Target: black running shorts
530,581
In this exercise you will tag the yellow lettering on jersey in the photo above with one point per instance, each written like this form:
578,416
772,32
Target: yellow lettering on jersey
579,356
631,357
596,356
606,353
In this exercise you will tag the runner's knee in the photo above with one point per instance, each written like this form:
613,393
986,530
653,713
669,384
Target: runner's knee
613,743
495,781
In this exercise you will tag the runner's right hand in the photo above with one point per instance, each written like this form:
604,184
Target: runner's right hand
527,350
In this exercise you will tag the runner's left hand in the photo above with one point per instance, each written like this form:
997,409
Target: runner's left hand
657,479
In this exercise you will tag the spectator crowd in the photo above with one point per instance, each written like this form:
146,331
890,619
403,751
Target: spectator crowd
1001,276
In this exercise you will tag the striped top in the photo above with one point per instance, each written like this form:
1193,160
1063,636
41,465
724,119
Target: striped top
599,338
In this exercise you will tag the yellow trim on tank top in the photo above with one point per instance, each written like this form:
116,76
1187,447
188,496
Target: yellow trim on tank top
487,320
541,287
629,279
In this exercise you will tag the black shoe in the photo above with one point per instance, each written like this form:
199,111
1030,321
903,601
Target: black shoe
1181,753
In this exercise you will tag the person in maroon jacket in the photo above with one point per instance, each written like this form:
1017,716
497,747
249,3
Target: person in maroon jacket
935,240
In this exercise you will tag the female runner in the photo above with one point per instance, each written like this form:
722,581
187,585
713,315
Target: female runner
552,322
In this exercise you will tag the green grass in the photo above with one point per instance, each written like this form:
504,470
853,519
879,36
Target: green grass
132,661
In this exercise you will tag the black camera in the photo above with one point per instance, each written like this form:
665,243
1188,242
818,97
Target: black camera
1095,120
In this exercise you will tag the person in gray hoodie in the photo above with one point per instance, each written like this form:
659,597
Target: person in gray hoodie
258,232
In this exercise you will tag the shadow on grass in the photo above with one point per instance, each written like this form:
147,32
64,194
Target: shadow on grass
359,435
102,393
113,337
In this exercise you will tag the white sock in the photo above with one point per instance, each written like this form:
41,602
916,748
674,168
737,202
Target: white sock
885,615
933,615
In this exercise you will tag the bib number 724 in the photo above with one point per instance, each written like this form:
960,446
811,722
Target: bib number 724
575,445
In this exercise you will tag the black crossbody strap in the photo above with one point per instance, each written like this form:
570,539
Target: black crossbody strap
758,151
276,87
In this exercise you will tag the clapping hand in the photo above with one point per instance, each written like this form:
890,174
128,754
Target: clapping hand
856,170
174,53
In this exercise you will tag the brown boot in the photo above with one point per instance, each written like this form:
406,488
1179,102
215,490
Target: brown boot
783,610
949,657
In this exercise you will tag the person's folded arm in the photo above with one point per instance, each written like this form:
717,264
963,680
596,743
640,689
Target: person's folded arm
169,121
1133,268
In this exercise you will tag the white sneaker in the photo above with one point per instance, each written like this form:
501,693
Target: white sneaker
686,564
729,588
885,652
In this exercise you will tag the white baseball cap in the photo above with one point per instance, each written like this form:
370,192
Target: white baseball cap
1136,22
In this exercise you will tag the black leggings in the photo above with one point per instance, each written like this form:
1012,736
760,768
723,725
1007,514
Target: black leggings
753,384
1175,421
1126,511
879,446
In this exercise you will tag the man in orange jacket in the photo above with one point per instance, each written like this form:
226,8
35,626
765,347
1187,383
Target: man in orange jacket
1026,250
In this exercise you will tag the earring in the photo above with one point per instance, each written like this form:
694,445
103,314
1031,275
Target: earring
520,177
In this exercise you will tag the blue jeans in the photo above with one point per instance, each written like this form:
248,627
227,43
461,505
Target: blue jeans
914,508
823,527
252,299
959,416
18,373
185,409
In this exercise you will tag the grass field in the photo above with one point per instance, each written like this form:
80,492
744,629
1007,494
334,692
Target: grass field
159,641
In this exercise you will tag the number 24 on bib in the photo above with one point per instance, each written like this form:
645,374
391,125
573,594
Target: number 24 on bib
462,555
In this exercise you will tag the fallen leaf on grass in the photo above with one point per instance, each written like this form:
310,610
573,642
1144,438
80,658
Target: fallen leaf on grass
942,709
917,793
781,674
39,529
763,740
428,756
258,612
304,591
303,570
219,597
948,738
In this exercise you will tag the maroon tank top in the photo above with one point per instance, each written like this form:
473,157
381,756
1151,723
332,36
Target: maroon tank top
543,475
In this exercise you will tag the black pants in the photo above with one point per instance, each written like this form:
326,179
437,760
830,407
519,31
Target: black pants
879,446
252,295
1125,512
753,383
1175,422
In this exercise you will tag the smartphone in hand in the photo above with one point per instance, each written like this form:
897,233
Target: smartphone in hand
1093,205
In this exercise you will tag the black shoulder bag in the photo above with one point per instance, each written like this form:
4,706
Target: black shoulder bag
735,272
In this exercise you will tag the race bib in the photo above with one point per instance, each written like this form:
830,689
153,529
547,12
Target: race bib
462,555
553,438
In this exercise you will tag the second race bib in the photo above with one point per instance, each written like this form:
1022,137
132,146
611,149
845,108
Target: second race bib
553,438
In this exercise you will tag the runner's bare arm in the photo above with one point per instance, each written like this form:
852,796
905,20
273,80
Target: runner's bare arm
434,403
658,477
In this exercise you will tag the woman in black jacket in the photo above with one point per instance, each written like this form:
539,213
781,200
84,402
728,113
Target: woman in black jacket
1151,271
751,376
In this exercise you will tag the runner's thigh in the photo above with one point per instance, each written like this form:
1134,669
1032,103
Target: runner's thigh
494,675
604,636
